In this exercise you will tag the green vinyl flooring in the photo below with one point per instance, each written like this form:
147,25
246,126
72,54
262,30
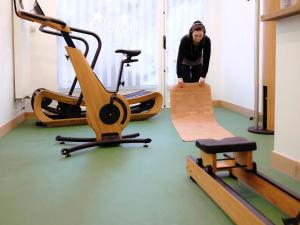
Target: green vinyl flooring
124,185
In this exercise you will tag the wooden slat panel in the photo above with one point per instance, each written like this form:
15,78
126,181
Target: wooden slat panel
192,113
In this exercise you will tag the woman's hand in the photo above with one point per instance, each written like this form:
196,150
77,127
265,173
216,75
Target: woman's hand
201,81
180,82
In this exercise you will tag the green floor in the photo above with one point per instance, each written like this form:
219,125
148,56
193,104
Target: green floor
126,185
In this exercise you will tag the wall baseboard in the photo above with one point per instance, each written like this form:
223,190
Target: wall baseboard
11,124
216,103
6,128
286,165
29,115
236,108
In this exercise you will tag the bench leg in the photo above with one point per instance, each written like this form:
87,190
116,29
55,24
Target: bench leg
209,160
244,159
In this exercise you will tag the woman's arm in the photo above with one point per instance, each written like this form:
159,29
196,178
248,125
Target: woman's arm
206,57
180,59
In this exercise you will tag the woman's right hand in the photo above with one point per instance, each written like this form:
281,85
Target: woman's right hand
180,82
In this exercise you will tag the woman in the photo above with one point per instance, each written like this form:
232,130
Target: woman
193,56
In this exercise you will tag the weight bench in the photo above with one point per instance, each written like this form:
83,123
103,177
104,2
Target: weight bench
238,161
241,148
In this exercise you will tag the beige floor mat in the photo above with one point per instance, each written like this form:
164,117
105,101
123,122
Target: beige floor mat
192,113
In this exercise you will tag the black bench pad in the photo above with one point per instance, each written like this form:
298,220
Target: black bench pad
232,144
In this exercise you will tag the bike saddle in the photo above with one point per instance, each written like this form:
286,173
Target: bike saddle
129,53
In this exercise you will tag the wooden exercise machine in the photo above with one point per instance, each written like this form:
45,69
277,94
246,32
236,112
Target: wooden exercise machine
240,166
52,108
55,109
107,113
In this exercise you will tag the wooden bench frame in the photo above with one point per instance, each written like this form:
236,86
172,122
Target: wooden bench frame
204,172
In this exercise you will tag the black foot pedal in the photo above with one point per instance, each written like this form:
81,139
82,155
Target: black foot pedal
192,179
65,152
40,124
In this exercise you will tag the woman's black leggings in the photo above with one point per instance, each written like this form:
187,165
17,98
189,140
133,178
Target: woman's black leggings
191,74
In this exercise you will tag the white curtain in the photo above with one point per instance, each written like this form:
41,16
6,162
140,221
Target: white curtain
129,24
121,24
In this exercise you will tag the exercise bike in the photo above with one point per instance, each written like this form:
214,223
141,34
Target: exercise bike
108,113
68,109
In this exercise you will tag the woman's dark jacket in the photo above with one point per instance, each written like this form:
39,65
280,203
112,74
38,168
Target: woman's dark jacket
188,52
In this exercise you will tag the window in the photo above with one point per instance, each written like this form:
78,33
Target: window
129,24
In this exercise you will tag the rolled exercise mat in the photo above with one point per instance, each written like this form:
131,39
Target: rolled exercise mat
192,113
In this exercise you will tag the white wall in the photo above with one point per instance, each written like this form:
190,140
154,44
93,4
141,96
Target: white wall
212,22
230,25
35,54
44,53
287,107
9,108
22,56
236,72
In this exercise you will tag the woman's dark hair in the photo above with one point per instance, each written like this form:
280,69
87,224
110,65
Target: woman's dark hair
197,25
